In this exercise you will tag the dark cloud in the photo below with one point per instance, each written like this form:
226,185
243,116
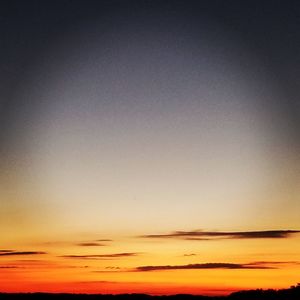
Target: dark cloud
205,266
102,256
215,235
90,244
190,254
8,267
13,252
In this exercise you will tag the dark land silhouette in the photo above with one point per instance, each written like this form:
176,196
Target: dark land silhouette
283,294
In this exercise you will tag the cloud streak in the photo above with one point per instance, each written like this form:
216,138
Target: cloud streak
90,244
104,240
102,256
216,235
13,252
204,266
94,243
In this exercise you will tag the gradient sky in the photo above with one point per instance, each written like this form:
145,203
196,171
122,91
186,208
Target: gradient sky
149,146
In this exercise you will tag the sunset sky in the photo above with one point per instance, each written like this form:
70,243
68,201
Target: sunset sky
149,146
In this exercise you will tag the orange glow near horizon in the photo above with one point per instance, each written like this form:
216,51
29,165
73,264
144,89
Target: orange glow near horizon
114,271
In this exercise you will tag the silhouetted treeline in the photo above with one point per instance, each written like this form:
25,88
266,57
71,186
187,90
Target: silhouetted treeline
259,294
285,294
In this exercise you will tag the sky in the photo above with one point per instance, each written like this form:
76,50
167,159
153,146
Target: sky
149,146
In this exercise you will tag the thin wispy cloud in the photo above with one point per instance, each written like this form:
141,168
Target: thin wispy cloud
39,264
97,281
102,256
204,266
104,240
88,243
14,252
270,263
112,268
94,243
111,271
216,235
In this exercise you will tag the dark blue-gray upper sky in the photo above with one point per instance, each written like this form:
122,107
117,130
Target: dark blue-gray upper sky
151,104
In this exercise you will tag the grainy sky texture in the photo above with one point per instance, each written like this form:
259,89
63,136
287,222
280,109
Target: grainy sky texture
149,146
